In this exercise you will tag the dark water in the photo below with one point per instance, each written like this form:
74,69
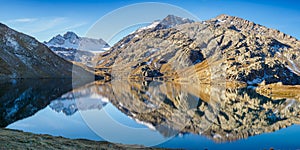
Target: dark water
160,114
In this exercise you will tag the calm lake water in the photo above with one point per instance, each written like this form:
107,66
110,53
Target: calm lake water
159,114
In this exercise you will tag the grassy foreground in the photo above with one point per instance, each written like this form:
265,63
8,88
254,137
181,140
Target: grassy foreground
13,139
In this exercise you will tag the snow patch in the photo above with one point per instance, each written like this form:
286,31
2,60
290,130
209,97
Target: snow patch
220,21
217,136
154,50
106,48
294,67
101,61
290,102
153,25
149,125
12,42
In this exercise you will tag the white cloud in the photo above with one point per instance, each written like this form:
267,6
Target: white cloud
43,28
23,20
46,24
34,25
74,26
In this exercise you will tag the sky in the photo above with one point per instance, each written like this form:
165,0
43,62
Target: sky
44,19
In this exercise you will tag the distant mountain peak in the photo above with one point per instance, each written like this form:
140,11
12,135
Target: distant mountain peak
71,47
71,35
71,40
59,36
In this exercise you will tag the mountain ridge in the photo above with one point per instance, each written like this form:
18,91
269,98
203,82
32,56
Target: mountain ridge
249,52
234,20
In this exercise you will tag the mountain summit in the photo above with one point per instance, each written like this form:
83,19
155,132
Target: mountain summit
71,47
71,40
225,48
171,21
167,22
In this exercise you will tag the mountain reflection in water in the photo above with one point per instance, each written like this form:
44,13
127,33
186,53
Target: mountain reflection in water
216,112
22,98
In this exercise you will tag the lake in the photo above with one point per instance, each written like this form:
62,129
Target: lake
151,113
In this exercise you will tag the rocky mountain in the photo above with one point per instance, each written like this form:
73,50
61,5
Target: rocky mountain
223,49
71,47
22,56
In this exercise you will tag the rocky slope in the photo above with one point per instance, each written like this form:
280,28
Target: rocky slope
71,47
22,56
225,48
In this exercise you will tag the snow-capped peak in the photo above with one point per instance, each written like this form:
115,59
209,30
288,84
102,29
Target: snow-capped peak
71,40
71,35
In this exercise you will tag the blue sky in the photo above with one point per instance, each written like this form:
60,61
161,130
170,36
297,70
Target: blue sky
46,18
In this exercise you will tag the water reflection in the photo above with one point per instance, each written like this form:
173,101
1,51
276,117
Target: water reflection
216,112
22,98
83,98
221,114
